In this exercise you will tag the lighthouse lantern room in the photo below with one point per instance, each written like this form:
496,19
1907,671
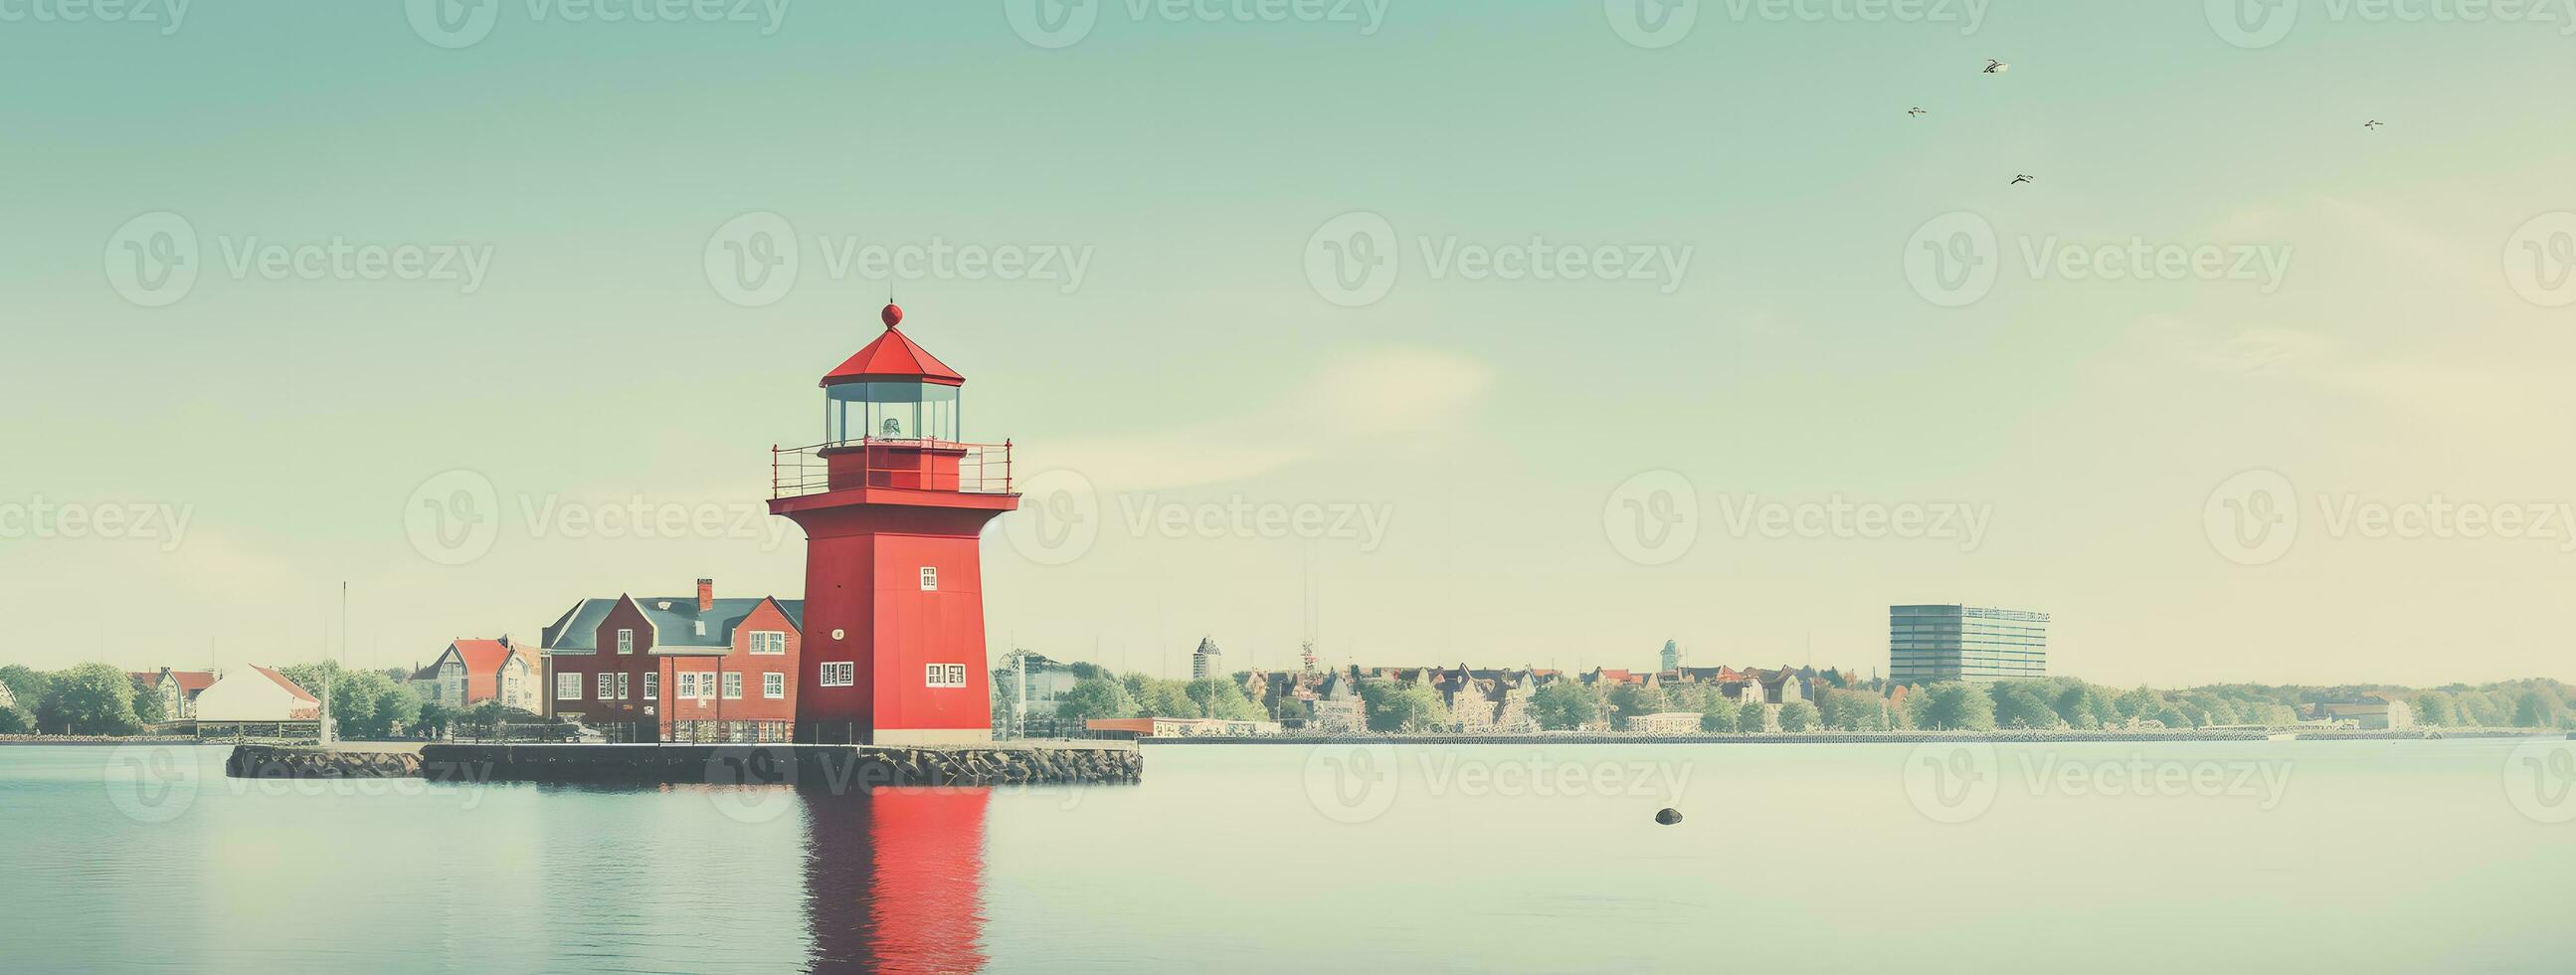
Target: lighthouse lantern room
892,502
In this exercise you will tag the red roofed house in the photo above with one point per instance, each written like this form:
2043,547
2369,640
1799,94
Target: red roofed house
256,694
678,668
470,672
178,689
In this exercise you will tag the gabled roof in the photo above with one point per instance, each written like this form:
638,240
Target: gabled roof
300,693
894,357
674,619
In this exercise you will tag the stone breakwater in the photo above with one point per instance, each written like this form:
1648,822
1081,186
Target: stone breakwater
828,767
282,762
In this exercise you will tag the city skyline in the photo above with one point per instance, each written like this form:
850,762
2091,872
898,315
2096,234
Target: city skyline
1870,368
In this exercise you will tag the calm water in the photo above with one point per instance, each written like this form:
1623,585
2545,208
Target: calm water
2294,856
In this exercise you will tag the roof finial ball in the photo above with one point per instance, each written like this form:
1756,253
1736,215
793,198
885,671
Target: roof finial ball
892,315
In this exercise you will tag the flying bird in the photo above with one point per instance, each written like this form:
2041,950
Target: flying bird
2372,124
2018,180
1996,67
1916,110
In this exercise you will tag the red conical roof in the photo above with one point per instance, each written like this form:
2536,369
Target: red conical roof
894,357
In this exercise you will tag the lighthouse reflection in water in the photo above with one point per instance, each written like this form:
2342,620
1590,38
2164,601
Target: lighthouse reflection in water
894,878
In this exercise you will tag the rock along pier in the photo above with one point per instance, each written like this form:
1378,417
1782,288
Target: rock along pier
831,767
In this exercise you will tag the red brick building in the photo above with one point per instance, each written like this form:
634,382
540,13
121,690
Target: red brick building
677,668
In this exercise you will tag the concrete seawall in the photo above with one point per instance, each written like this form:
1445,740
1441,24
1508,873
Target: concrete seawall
835,767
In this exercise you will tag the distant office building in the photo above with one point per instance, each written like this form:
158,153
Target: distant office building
1208,661
1672,658
1973,643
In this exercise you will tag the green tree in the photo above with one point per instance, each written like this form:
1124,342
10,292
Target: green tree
2138,703
435,717
1217,697
149,709
1752,717
16,721
2020,704
91,699
1158,698
1720,718
1955,706
1094,697
2436,708
2536,707
1630,700
26,684
1852,710
1394,706
1562,706
1797,716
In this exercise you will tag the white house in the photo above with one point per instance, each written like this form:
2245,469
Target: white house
256,694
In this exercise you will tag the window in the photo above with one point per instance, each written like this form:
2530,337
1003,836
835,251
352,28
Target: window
842,674
567,687
769,643
621,686
626,641
653,686
772,686
943,675
608,687
702,627
733,686
930,578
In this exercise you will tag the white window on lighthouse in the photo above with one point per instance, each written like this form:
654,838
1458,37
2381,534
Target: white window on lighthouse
930,578
890,411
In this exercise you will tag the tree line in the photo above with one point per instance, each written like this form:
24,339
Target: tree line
100,699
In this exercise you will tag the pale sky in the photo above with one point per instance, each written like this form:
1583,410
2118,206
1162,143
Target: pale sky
1156,242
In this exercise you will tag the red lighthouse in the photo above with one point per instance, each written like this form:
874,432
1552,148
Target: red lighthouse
892,502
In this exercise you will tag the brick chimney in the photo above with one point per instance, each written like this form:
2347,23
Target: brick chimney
706,595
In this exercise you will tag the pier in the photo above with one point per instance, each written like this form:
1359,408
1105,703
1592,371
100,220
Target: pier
833,767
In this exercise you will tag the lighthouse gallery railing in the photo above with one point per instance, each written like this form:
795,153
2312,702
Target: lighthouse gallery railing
979,468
